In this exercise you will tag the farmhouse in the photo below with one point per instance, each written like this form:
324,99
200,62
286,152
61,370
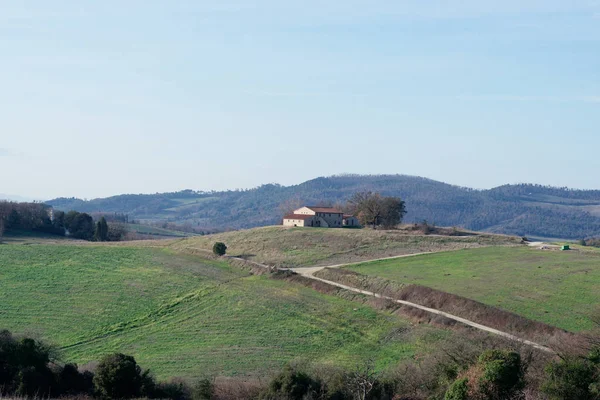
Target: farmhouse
324,217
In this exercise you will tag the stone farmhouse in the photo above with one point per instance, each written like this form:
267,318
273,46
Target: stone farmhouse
324,217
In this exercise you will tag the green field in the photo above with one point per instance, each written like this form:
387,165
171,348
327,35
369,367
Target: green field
153,230
558,288
181,315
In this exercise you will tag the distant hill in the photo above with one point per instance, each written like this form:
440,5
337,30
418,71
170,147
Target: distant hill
525,209
12,197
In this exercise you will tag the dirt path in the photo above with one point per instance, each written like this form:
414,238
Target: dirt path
308,272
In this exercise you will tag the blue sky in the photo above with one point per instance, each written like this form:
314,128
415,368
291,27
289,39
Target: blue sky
107,97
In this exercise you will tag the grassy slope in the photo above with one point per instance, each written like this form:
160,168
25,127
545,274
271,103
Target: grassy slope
558,288
181,315
293,247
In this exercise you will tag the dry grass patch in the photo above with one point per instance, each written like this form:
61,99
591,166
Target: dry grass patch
299,247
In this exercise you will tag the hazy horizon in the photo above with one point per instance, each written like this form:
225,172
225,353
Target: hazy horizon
154,96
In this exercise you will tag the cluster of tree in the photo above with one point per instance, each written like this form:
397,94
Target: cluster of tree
82,226
38,217
513,209
592,242
30,368
373,209
111,217
15,217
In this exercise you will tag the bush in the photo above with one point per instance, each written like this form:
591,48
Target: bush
459,390
291,384
219,248
498,374
72,382
203,390
573,378
118,377
24,366
502,373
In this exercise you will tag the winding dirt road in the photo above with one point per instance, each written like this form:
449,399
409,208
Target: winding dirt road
308,272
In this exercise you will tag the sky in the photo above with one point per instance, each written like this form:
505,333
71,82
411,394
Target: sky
106,97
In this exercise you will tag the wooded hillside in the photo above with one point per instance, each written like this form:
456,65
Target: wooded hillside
513,209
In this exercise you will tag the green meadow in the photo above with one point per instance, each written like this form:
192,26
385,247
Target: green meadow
181,315
561,288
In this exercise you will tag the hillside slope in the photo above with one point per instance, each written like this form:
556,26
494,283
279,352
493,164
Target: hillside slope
512,209
182,315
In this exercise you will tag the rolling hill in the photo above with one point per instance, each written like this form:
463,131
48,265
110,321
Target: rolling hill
186,316
524,209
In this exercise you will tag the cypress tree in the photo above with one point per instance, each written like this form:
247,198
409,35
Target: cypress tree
101,234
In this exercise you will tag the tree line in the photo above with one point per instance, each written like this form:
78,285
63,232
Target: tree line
31,369
39,217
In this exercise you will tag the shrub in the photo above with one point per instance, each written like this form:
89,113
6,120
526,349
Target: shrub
24,366
219,248
498,374
203,390
459,390
72,382
502,373
573,378
291,384
118,377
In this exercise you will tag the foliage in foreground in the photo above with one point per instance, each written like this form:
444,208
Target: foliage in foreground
28,368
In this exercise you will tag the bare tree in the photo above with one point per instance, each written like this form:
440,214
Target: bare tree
362,380
289,205
367,208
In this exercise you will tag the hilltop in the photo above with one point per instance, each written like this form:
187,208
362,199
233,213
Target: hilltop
524,209
306,247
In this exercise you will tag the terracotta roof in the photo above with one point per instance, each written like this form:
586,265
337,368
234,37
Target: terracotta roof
325,210
348,216
298,216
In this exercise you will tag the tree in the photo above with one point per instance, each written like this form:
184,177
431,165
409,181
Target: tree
373,209
101,234
219,248
393,210
292,384
1,229
24,366
367,208
362,381
81,225
117,231
118,377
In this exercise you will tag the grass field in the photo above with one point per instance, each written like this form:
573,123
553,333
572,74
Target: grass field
558,288
181,315
298,247
152,230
